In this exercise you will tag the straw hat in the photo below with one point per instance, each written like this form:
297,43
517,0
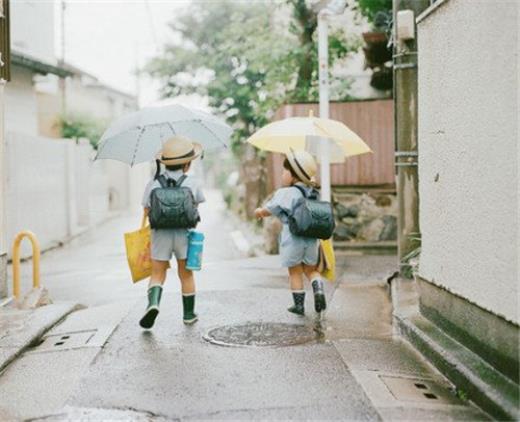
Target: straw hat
304,165
179,150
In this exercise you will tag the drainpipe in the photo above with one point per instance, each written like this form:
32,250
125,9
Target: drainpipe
5,75
405,115
3,234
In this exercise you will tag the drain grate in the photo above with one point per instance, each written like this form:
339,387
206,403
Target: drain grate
261,334
419,390
65,341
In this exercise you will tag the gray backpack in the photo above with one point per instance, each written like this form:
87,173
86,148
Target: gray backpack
173,206
311,217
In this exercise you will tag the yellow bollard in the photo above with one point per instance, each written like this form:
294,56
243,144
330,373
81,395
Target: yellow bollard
16,261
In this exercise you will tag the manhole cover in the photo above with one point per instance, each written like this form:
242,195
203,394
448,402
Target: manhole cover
261,334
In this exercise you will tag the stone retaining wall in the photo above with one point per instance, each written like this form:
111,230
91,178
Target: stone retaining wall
369,216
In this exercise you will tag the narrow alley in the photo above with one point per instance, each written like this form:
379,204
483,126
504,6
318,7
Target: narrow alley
99,364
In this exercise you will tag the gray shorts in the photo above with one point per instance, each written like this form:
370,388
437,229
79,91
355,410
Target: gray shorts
168,242
296,250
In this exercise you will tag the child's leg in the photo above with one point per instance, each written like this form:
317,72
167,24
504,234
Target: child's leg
311,271
296,277
320,303
188,292
186,278
296,280
157,278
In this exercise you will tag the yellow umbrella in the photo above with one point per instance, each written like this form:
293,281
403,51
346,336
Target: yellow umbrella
305,133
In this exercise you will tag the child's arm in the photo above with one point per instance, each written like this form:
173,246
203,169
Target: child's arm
262,212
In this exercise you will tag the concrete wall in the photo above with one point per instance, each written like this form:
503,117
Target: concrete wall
36,188
32,28
21,109
54,189
468,151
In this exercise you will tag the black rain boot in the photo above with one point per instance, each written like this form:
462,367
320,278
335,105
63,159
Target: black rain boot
299,303
154,299
188,304
320,304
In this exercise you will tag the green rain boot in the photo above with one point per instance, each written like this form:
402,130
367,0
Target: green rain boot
320,304
299,303
188,305
154,299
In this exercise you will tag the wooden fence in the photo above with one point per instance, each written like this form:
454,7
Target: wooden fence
372,120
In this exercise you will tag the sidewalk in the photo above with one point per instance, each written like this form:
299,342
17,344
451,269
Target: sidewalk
358,370
21,328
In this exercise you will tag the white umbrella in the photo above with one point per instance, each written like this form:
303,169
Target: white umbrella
138,137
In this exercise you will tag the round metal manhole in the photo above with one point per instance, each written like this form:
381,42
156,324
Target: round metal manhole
261,334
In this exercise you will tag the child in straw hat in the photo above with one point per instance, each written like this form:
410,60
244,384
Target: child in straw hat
176,155
299,254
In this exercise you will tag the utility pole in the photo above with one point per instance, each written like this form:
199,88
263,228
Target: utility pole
62,83
324,9
5,75
323,63
405,114
137,74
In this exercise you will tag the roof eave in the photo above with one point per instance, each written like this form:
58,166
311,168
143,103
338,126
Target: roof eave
38,66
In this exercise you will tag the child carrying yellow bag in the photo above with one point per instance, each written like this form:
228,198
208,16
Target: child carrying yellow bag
138,252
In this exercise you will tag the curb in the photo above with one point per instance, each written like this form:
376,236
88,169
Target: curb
488,388
35,323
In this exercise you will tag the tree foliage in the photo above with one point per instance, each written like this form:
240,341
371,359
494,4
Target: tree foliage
377,12
246,57
77,126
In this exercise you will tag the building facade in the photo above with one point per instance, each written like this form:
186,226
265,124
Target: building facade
468,276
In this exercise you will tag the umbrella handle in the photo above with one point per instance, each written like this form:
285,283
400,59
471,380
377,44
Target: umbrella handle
143,220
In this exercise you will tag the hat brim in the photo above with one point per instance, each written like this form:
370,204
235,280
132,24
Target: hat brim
197,152
298,169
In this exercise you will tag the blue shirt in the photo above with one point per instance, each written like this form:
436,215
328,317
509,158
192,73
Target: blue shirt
284,200
294,250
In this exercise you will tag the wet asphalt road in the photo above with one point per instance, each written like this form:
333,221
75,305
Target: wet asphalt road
173,373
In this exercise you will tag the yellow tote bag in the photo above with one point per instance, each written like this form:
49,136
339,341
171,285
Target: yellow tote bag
138,252
327,260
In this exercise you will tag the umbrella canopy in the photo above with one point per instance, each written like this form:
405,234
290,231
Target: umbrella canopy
138,137
306,133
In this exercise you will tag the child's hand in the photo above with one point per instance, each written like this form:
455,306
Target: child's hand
259,213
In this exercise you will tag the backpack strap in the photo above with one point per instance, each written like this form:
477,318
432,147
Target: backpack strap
163,181
302,190
166,182
181,180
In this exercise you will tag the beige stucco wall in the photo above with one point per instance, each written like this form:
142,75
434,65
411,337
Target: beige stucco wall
468,151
